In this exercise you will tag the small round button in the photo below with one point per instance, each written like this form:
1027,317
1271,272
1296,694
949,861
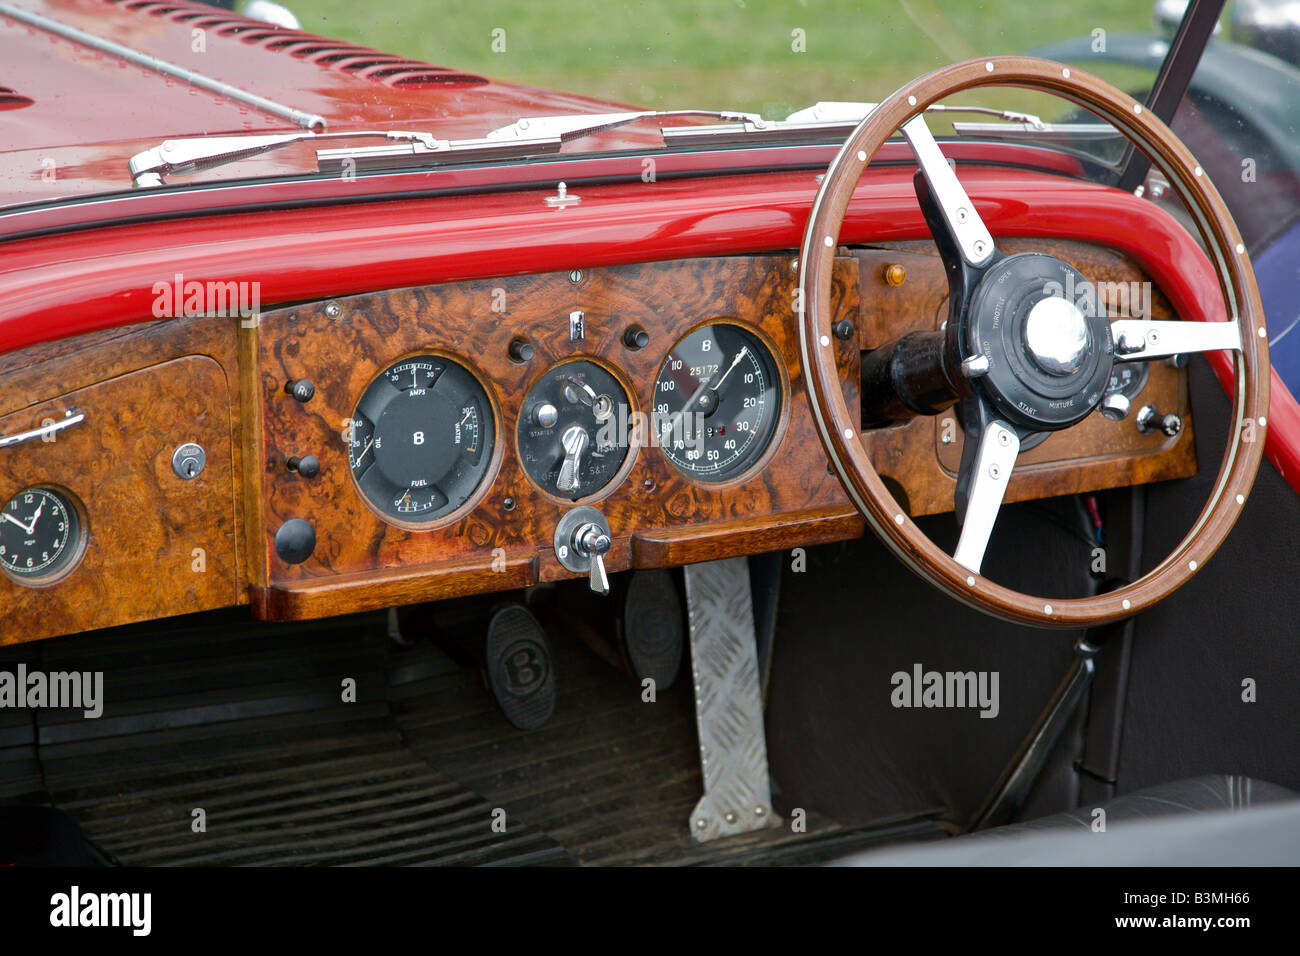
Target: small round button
307,466
302,389
295,541
545,415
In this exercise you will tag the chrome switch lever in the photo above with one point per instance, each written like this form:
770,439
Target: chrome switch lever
1151,419
574,442
582,540
592,543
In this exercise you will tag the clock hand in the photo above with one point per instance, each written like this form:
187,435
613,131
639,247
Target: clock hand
9,517
31,528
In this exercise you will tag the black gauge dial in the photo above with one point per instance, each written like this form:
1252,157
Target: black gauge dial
716,402
40,535
575,429
421,439
1128,379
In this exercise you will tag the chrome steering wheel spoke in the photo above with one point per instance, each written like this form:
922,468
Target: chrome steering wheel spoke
988,460
1141,340
957,218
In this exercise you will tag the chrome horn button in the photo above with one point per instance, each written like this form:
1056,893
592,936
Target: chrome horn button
1056,334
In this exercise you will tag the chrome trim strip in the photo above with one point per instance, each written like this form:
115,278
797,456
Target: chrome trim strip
299,117
71,417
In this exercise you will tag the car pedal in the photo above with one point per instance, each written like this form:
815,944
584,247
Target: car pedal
653,631
520,667
728,702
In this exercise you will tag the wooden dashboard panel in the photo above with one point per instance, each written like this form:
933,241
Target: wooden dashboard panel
155,545
495,546
148,387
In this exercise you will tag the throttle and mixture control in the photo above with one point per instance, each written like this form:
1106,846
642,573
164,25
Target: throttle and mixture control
582,540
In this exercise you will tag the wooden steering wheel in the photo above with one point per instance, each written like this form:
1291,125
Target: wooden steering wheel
1017,355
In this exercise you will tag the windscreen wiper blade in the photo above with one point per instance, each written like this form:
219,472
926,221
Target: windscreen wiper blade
529,136
824,121
179,157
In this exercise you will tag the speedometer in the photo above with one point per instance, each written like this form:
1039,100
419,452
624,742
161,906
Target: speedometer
717,402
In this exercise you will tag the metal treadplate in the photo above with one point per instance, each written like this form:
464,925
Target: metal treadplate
728,704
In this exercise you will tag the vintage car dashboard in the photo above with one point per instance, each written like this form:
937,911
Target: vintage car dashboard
421,443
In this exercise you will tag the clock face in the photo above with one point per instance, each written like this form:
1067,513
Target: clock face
40,535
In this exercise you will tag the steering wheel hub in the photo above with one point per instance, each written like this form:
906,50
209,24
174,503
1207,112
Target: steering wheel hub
1049,347
1057,336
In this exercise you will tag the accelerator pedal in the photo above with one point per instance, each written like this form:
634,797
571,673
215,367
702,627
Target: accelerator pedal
520,667
728,702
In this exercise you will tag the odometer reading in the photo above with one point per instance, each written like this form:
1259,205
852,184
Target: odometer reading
420,440
40,535
716,402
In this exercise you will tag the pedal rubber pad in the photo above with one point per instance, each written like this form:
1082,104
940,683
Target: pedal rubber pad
520,667
653,627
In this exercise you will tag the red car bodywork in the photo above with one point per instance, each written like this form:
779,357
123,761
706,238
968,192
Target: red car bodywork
90,114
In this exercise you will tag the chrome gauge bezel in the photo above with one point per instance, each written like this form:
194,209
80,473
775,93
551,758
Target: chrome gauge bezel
753,460
491,454
74,548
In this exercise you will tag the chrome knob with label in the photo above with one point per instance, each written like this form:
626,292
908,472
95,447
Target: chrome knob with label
545,415
1150,419
592,543
582,539
574,443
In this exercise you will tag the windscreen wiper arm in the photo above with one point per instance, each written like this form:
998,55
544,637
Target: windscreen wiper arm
530,136
814,124
177,157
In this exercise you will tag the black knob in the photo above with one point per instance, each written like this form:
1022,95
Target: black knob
521,350
302,389
307,466
295,541
636,337
844,330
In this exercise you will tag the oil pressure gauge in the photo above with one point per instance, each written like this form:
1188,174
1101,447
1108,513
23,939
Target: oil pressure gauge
421,439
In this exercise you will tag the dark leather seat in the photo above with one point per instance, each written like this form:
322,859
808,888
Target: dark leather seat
1223,819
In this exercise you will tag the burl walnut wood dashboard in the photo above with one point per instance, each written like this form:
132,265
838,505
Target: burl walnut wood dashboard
293,412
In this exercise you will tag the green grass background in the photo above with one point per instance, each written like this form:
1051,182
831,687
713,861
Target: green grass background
731,54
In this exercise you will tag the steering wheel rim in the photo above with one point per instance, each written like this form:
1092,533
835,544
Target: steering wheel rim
840,433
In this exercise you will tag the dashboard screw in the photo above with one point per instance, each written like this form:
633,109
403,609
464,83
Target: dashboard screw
332,310
508,504
575,276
